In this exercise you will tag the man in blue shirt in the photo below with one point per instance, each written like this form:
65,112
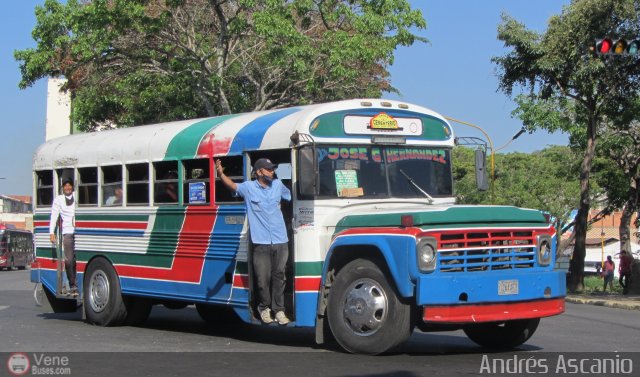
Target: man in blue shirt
262,198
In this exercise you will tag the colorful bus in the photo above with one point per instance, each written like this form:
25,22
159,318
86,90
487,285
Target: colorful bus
16,248
378,246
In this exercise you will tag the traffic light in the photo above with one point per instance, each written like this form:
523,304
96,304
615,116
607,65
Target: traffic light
603,46
618,47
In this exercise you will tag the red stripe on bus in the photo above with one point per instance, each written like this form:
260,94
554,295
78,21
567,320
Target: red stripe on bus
307,284
241,281
189,256
110,225
493,312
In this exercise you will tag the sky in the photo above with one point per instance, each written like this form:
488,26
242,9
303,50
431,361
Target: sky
452,74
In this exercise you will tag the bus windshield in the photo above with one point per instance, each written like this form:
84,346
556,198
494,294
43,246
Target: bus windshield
384,171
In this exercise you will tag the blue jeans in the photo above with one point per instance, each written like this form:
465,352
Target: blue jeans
269,263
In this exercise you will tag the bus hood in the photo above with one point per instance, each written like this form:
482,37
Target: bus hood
455,216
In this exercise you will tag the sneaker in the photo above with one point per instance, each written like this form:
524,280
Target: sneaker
265,316
74,292
282,318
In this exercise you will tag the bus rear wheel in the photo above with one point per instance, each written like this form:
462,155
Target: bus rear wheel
103,302
365,313
502,335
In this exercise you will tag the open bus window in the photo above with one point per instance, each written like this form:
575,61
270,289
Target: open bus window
196,181
166,182
88,186
138,184
111,182
44,188
233,168
63,174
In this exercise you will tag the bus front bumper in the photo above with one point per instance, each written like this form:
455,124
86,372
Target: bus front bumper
493,312
490,296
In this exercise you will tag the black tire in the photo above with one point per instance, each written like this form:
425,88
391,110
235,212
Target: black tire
60,305
103,302
218,315
378,320
138,310
502,335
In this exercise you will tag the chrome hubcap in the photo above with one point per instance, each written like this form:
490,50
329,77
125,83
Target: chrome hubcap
365,307
98,291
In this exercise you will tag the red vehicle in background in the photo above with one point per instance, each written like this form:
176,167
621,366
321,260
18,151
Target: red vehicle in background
16,247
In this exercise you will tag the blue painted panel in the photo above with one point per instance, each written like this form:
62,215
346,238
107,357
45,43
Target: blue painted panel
250,136
482,286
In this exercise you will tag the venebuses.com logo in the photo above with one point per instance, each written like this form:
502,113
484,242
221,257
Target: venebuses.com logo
18,364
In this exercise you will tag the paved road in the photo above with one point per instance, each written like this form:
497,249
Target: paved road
177,342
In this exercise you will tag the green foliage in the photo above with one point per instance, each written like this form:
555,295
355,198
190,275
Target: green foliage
562,85
545,180
139,61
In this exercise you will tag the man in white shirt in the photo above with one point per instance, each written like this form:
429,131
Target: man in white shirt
64,206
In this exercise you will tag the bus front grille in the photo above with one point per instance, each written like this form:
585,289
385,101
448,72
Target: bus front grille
486,251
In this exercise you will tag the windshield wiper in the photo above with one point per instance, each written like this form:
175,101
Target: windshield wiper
415,185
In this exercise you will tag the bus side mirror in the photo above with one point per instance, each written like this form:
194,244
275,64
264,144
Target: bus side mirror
481,171
306,172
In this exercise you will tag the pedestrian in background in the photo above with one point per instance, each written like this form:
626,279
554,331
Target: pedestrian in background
607,273
624,270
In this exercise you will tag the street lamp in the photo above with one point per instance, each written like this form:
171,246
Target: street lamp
517,135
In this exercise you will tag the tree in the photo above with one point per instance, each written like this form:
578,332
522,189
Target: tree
567,87
130,62
540,180
620,172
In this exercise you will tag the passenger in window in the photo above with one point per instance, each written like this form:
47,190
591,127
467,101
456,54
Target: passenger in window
64,206
116,198
262,198
168,192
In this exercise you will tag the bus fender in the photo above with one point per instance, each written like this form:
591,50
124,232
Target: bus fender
396,250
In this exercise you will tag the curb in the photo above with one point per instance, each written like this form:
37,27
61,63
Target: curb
629,305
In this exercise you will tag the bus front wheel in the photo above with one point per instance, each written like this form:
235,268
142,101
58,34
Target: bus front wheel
103,302
365,313
502,335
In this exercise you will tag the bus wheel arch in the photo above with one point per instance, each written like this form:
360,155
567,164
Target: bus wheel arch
104,304
365,312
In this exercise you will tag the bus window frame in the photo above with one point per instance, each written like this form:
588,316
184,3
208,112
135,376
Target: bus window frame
40,187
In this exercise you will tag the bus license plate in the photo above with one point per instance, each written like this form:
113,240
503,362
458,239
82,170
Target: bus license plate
507,287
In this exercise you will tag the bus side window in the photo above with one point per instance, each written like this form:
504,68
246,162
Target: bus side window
233,167
165,182
196,182
44,188
62,175
111,180
138,184
88,186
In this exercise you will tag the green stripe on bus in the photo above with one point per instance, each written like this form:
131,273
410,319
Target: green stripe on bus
165,233
301,268
185,143
308,268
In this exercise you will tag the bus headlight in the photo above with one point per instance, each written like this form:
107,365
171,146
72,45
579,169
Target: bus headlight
544,250
426,250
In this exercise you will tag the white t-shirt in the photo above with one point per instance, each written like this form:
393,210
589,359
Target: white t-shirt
68,214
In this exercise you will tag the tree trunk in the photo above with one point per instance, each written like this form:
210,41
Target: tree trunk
627,213
576,282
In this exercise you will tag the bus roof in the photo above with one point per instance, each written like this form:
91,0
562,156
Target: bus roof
335,122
